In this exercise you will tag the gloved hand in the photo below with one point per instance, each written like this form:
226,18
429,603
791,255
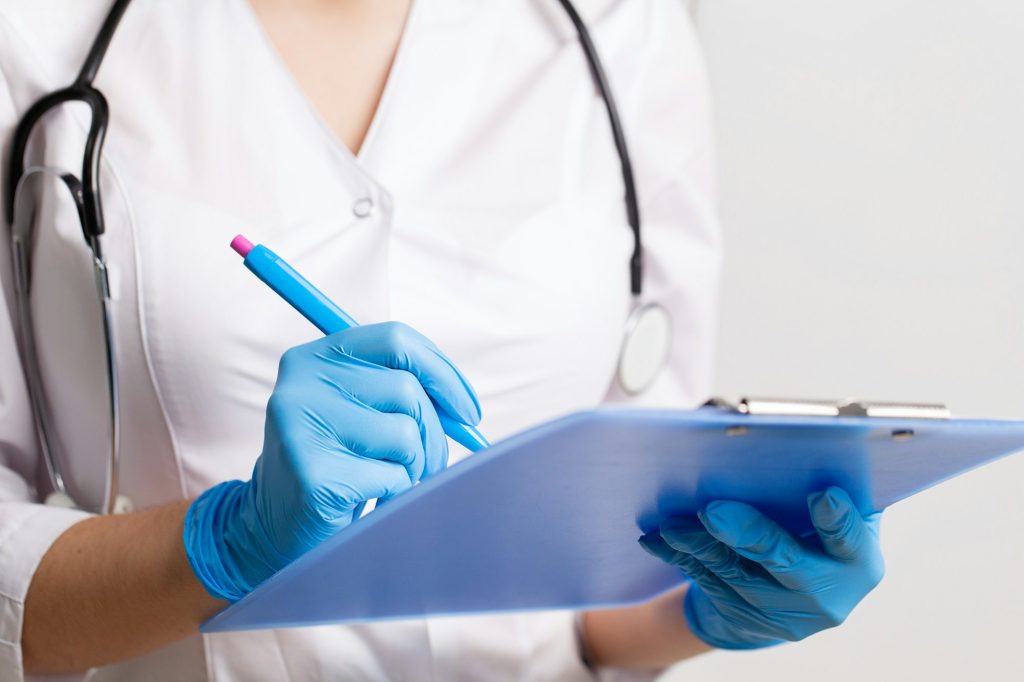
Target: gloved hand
350,419
755,585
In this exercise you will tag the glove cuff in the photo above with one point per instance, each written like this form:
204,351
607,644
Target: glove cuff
720,640
205,529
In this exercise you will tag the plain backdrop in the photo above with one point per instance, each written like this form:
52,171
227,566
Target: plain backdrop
872,195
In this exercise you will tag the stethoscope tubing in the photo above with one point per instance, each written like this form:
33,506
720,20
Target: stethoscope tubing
89,202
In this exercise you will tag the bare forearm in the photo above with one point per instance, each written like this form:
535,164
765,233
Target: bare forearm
111,588
652,635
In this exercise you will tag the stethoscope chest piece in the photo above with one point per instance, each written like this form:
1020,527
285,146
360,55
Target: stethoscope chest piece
645,347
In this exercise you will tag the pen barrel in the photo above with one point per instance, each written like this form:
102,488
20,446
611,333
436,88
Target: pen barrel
463,434
298,291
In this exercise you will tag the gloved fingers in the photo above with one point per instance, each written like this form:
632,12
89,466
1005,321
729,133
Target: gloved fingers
844,533
690,536
376,435
399,392
713,586
656,546
753,535
378,479
398,346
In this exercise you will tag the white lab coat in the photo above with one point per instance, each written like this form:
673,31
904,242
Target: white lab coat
496,226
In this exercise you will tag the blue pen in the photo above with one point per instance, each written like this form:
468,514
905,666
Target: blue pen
327,316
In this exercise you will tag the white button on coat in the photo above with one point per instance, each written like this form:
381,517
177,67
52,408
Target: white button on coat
497,228
363,208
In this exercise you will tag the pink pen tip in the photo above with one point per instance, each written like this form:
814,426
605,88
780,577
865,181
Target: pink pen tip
242,245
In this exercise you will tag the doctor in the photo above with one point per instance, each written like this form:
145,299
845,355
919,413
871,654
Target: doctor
446,163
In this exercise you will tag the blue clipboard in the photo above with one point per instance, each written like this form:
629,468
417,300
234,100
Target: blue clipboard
549,518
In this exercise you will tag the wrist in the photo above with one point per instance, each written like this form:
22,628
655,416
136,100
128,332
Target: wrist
647,636
215,545
582,648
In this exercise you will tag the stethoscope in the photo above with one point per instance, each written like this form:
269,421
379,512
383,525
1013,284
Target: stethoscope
643,353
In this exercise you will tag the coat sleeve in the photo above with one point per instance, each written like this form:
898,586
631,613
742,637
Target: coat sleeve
27,529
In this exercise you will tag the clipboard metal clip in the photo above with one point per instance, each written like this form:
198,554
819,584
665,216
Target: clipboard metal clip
781,407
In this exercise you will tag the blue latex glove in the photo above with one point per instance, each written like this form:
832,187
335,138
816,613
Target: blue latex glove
351,419
755,585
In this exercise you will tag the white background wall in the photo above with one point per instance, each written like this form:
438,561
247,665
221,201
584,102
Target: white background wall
872,165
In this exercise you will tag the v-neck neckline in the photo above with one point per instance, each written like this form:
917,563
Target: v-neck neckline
297,92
